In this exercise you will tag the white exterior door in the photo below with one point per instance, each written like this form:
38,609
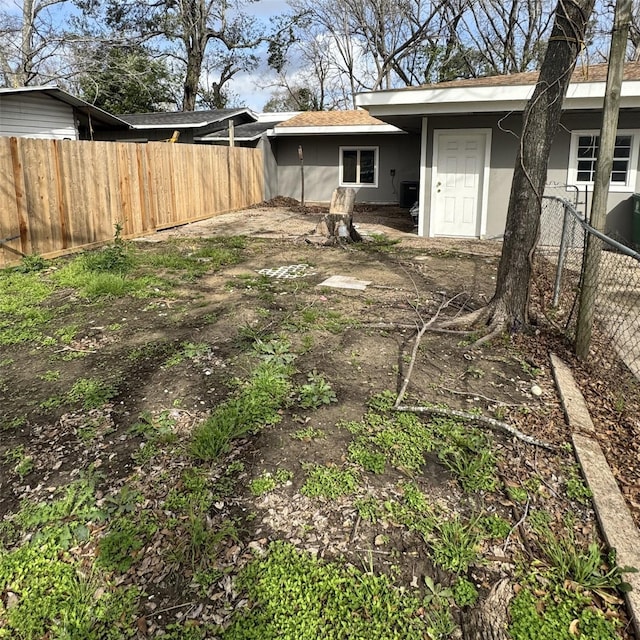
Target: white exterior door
458,183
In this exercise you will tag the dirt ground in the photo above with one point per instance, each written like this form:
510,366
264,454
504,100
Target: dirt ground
359,340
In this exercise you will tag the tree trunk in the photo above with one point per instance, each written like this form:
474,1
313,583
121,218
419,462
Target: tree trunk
541,118
489,620
195,38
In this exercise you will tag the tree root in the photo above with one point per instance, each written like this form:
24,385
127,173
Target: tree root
492,319
470,417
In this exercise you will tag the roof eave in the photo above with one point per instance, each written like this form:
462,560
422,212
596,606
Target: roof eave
486,99
195,125
335,130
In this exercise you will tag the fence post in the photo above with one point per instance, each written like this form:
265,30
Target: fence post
562,254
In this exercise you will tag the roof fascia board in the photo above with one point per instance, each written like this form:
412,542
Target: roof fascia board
335,130
582,95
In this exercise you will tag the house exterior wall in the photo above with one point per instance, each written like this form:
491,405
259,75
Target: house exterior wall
36,116
502,159
268,147
400,152
504,144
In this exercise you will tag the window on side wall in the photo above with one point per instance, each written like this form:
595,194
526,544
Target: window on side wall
358,166
583,155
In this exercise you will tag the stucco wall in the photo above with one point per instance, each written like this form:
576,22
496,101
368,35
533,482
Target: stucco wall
505,131
400,152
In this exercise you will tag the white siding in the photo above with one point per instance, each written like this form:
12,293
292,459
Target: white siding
36,116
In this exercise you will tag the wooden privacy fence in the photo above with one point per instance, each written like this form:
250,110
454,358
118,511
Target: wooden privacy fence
57,196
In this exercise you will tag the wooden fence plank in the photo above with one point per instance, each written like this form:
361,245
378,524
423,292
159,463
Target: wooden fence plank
10,249
60,196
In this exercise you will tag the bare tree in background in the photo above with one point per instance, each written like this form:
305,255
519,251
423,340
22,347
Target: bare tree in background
508,36
212,36
31,43
374,44
634,32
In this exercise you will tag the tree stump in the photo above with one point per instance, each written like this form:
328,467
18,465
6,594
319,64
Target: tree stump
337,225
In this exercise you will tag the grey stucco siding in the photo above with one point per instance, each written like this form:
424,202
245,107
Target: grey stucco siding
505,132
399,153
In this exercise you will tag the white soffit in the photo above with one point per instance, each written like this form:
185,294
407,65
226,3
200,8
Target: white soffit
583,95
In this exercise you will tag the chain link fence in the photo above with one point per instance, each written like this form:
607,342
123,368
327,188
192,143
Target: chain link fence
613,278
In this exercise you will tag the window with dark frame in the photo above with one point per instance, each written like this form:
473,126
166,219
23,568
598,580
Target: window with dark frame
358,166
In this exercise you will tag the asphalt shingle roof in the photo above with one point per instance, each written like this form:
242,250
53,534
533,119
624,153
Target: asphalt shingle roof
356,117
247,131
180,118
591,73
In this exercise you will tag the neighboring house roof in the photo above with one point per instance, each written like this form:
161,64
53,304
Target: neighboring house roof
333,122
183,119
250,131
498,93
52,91
241,132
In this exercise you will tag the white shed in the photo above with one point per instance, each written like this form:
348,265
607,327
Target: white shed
50,112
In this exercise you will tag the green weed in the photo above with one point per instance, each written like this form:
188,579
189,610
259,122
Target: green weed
369,459
517,494
267,482
368,509
552,613
495,527
32,264
256,405
316,392
455,544
23,463
90,393
50,376
293,595
188,351
576,488
62,521
119,547
56,600
308,433
467,452
22,316
329,482
586,566
464,592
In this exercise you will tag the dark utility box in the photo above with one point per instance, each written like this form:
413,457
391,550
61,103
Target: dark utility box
408,194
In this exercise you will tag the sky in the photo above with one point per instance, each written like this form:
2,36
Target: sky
248,86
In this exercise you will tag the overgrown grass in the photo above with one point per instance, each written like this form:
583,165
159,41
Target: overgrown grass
329,481
23,318
255,405
403,439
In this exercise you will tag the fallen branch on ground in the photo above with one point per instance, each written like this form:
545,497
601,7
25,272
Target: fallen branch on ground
406,325
479,395
416,345
470,417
